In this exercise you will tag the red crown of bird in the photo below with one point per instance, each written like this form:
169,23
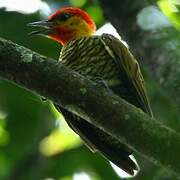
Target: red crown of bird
66,24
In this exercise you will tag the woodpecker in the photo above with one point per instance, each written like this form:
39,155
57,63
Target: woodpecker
105,60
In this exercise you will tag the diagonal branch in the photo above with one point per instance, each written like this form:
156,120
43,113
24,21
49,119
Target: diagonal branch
93,103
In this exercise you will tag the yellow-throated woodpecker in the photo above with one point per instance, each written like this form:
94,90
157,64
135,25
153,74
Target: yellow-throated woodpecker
102,59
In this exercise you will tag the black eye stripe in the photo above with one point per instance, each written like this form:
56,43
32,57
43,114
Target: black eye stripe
64,16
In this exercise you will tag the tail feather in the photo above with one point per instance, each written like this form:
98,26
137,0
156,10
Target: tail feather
98,140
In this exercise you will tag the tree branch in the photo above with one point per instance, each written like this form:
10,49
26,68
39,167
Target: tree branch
93,103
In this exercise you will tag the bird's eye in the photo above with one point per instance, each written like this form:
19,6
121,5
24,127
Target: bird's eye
64,17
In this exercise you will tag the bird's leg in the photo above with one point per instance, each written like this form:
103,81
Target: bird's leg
102,83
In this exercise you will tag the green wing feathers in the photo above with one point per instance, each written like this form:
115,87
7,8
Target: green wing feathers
130,70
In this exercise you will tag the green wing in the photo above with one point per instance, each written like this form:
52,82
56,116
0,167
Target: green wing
129,68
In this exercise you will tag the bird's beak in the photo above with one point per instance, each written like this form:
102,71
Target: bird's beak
46,25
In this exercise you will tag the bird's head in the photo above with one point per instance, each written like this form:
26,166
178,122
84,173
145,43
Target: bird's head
65,25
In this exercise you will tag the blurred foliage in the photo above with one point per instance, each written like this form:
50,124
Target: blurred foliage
35,142
171,8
